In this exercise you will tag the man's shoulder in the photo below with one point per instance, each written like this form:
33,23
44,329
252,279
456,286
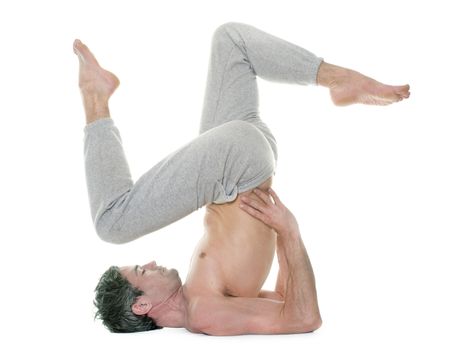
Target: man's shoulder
200,300
199,306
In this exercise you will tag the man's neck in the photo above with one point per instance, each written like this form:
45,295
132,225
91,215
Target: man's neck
171,313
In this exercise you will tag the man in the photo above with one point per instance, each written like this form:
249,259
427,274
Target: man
228,168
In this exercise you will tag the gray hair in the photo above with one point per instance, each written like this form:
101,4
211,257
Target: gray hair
114,299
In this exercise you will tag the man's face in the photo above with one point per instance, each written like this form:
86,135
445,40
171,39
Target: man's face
157,282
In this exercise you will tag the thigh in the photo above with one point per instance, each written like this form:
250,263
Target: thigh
213,168
231,88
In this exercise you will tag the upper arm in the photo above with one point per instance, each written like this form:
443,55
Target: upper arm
237,315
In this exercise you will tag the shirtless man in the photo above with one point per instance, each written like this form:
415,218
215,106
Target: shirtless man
228,168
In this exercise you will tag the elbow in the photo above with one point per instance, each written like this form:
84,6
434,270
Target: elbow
301,324
311,324
316,325
306,324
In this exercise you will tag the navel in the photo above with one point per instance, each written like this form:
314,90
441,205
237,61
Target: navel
202,255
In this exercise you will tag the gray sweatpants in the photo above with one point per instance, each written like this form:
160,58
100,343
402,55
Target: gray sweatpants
234,152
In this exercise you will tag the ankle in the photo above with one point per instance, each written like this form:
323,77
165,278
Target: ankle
329,74
96,107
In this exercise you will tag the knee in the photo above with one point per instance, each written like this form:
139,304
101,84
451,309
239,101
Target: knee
239,132
226,31
110,235
246,139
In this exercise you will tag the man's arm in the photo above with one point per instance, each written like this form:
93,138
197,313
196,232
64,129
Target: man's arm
300,291
220,315
289,243
299,312
295,280
279,292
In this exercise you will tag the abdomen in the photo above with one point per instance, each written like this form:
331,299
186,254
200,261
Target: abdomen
244,248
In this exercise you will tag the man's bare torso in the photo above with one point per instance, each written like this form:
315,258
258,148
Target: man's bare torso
234,256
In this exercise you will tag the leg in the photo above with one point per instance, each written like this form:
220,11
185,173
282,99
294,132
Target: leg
239,53
214,167
176,186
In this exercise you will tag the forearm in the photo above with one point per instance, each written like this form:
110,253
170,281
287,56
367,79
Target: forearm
300,310
281,282
300,298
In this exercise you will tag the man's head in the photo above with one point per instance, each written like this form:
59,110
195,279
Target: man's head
127,296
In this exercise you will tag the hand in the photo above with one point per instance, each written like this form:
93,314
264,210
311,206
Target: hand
276,215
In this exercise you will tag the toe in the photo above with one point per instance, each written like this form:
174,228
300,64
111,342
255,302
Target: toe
83,52
75,44
406,89
403,91
78,48
405,94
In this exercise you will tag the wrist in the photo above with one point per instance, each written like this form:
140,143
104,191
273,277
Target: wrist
290,234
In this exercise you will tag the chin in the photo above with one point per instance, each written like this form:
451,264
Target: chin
175,272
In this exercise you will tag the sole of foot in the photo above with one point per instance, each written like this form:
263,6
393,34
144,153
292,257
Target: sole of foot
93,79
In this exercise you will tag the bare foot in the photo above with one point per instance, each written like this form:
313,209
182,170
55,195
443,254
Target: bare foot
349,87
94,80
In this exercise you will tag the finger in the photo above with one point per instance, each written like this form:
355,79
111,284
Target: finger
262,195
253,212
274,195
252,203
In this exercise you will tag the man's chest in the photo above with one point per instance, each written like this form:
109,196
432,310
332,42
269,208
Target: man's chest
235,264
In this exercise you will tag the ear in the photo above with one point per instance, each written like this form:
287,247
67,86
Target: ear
141,306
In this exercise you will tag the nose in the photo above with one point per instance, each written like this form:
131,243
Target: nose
150,265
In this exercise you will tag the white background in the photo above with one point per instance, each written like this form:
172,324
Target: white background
375,189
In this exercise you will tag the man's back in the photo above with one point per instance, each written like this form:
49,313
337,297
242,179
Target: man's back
234,256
